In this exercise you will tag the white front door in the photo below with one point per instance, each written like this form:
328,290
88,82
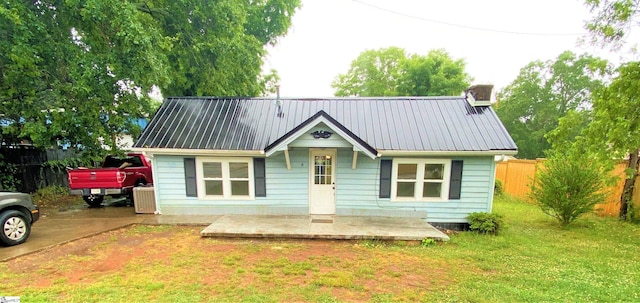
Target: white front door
322,182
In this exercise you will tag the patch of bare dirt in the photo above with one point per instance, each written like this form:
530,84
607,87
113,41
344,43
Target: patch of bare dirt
174,255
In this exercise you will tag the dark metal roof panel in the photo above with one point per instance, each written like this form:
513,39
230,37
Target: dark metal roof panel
402,123
450,122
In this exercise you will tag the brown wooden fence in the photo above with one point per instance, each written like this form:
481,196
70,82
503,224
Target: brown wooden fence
29,169
516,175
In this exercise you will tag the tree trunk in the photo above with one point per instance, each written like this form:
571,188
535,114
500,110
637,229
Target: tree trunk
627,191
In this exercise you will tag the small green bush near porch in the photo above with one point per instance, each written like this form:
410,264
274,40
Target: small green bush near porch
592,260
485,223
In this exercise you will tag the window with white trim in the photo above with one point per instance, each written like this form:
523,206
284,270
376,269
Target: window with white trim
420,179
225,178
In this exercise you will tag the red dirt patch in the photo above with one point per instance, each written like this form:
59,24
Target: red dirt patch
179,256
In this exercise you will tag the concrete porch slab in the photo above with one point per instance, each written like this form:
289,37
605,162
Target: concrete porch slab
322,227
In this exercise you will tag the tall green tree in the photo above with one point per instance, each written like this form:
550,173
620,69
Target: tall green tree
218,46
612,21
544,92
73,72
373,73
79,72
436,74
615,129
393,72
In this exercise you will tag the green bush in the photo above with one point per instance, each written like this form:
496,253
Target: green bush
49,195
569,186
497,188
7,176
633,213
427,242
485,223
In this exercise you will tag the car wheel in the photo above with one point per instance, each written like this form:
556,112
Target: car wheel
93,200
15,227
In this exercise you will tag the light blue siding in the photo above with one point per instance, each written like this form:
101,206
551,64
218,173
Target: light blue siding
287,190
357,190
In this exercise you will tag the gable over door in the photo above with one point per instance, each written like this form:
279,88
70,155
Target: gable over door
331,140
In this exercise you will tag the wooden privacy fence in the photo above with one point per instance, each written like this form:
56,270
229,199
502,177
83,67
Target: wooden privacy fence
516,175
29,167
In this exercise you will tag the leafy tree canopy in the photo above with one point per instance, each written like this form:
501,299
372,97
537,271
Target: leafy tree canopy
393,72
615,126
544,92
613,21
78,72
613,131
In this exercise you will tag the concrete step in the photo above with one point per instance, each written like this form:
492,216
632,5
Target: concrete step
323,227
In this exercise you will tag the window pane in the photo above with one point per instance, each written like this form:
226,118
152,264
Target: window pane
239,169
407,171
322,170
433,171
212,169
239,188
213,187
431,190
405,189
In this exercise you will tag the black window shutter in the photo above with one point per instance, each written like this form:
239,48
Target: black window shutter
385,178
456,179
190,177
259,176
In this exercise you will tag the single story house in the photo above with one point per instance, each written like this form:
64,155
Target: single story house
430,157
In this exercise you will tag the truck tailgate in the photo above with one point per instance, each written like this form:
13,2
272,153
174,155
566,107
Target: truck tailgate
95,178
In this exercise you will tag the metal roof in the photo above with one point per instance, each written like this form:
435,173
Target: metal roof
392,124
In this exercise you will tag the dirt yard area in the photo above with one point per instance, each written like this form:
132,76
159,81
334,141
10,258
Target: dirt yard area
169,263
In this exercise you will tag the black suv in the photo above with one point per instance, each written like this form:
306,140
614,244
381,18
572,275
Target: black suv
17,214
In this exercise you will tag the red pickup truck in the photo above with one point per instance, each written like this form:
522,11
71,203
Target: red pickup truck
117,177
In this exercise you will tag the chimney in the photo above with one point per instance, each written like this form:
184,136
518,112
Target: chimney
479,95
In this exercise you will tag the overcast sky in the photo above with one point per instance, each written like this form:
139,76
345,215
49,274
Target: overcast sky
496,38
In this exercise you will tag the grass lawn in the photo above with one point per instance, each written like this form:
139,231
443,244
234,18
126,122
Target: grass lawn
533,260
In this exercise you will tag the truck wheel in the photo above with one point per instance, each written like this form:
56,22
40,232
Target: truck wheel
93,200
15,227
141,182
